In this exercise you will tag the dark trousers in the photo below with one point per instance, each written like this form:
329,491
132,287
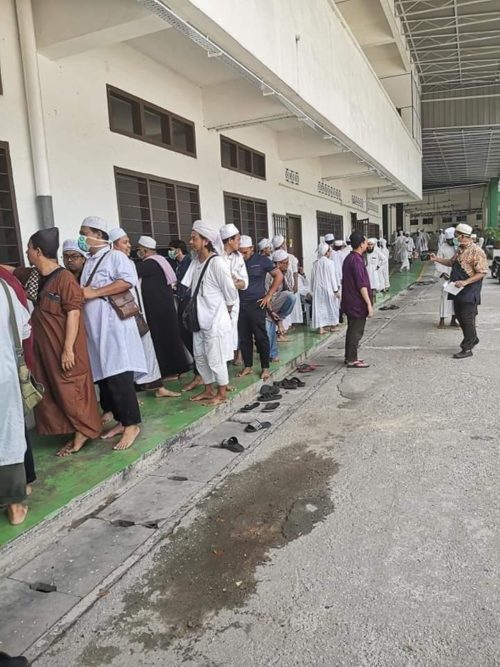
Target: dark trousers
117,394
29,462
355,331
252,324
466,313
186,336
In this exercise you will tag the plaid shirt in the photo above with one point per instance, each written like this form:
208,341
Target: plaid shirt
472,260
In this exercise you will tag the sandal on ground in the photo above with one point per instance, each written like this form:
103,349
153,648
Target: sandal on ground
249,407
232,445
306,368
347,363
358,364
285,384
270,407
268,389
269,397
255,426
298,382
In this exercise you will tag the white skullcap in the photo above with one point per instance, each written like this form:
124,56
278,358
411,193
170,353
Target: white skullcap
208,232
462,228
329,238
449,233
95,222
280,255
278,241
116,233
147,242
372,240
339,243
72,246
322,249
246,242
226,231
473,236
264,243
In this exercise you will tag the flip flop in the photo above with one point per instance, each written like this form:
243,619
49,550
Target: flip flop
269,397
255,426
232,445
249,407
268,389
298,382
286,384
270,407
358,364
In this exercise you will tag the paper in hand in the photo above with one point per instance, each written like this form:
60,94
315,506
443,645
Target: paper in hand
451,288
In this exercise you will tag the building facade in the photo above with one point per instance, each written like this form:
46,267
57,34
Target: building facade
266,114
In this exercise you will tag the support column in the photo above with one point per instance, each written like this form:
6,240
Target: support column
493,203
33,92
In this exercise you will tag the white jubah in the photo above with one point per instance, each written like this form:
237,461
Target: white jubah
375,260
385,267
446,251
213,344
326,305
238,270
296,316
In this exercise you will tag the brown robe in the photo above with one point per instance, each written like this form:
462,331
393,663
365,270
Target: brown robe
69,401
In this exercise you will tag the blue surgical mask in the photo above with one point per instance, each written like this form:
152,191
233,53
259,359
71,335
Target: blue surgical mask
82,243
456,243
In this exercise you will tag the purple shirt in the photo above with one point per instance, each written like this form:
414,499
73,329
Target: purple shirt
354,277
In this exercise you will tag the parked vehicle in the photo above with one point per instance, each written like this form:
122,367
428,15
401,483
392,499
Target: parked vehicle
495,268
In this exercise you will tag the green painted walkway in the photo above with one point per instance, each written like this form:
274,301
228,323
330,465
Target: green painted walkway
62,480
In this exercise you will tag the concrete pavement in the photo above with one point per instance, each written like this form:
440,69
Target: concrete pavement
362,530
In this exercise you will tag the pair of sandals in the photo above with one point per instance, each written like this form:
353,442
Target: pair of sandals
234,445
307,368
269,407
290,383
268,393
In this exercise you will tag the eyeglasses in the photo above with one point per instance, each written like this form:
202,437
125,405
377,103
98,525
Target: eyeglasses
72,256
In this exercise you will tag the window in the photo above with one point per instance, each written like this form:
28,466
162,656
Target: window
447,219
10,246
249,215
329,223
461,218
373,230
479,217
156,207
361,226
414,222
241,158
427,221
136,118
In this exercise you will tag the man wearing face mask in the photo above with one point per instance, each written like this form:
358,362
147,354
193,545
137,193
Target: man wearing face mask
468,268
114,344
157,279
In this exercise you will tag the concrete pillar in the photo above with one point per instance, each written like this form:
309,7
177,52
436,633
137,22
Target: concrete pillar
493,203
33,92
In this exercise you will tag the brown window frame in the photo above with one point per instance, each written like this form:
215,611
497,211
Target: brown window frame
333,222
119,171
16,227
253,233
252,151
140,105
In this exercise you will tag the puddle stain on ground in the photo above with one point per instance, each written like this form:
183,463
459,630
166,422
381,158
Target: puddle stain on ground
210,564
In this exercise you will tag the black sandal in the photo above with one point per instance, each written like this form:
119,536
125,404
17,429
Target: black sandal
270,407
249,407
232,445
255,426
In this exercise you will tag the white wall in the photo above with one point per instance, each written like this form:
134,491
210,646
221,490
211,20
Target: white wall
13,119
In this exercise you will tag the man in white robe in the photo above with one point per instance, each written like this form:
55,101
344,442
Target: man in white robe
230,236
385,267
447,251
212,344
441,239
12,433
410,244
325,291
295,317
114,345
399,244
375,260
422,242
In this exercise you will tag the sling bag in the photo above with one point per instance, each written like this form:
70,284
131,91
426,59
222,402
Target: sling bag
123,304
190,315
31,391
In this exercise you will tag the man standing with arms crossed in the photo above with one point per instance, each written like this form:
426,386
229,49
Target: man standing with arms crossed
356,302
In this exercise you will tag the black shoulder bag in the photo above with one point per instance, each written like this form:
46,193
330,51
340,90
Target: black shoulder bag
190,314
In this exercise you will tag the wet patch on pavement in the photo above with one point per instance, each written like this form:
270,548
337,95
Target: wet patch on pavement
210,564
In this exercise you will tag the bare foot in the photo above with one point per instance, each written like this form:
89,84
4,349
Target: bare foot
128,438
231,387
17,513
166,393
441,326
195,382
73,446
106,417
321,331
245,371
204,395
116,430
29,489
265,375
215,400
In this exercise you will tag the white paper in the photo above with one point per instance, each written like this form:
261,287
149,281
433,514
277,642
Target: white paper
451,288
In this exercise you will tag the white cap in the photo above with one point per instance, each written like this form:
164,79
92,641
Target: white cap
116,233
264,243
72,246
474,236
246,242
227,231
147,242
280,255
278,241
95,222
373,241
462,228
449,233
329,238
339,243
